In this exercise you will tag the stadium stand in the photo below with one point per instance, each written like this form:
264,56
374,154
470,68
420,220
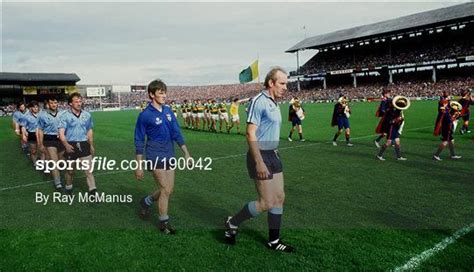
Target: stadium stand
435,41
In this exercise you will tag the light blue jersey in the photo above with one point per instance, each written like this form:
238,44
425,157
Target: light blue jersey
265,113
76,126
49,122
30,121
18,116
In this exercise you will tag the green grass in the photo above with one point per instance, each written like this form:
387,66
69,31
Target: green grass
344,209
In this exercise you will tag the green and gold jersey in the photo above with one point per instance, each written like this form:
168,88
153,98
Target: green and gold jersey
200,108
207,107
188,107
222,107
214,109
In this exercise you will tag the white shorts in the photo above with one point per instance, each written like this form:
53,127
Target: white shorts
215,116
224,116
175,114
194,115
235,118
200,115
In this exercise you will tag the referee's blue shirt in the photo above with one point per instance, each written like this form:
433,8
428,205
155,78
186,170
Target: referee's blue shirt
161,129
76,126
265,113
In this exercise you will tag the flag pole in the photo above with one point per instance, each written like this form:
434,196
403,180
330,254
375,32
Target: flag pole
258,66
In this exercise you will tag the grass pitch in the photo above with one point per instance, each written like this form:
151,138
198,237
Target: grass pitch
344,209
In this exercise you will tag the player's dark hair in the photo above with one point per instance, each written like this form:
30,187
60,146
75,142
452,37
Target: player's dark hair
235,99
156,85
386,91
18,105
272,76
72,96
51,98
32,104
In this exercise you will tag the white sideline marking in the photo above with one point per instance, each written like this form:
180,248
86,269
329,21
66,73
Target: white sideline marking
215,159
414,262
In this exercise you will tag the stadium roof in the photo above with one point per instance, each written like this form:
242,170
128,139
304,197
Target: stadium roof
39,77
418,20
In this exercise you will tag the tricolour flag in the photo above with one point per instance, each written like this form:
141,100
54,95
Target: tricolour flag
250,73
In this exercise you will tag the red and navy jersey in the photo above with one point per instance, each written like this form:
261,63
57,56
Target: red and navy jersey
465,103
338,112
383,106
391,119
395,117
292,113
444,120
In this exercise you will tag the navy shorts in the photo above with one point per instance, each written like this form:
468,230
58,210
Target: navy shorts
32,137
466,116
53,141
343,122
447,133
271,158
81,149
295,121
393,133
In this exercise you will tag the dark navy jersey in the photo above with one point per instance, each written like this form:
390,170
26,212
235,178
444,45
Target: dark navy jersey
383,106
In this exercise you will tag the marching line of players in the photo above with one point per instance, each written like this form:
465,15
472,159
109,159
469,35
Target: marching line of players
205,116
56,135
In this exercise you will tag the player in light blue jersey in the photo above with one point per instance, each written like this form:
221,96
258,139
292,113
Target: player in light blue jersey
29,125
48,136
76,135
263,162
18,116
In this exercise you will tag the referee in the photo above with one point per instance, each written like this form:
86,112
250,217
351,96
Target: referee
263,161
